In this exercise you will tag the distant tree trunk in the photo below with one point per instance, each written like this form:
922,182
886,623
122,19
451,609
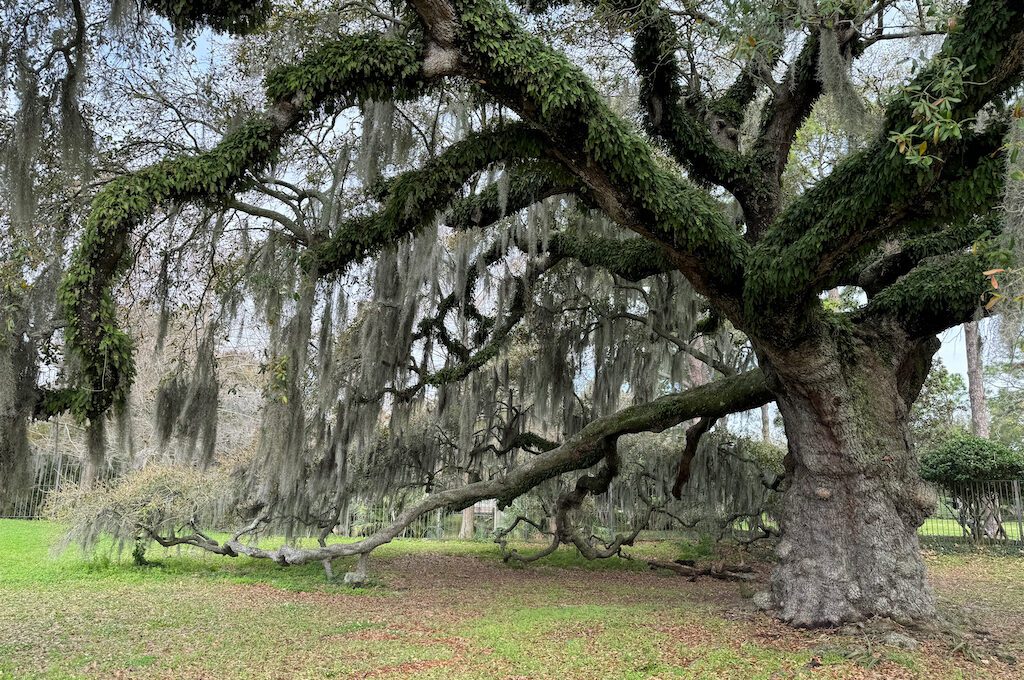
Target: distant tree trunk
766,423
976,381
849,548
468,528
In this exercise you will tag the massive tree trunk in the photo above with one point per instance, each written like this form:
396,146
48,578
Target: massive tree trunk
849,548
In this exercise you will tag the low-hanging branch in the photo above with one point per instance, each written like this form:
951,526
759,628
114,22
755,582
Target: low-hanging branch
346,71
725,572
592,445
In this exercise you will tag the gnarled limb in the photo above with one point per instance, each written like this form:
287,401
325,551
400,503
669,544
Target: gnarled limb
501,538
349,70
693,435
725,572
587,448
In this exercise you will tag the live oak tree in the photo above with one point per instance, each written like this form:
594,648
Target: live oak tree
675,205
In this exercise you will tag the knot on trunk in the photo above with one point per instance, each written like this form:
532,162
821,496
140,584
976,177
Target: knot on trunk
923,503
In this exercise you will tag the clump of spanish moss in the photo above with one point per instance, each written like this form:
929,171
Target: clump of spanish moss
834,74
187,407
19,154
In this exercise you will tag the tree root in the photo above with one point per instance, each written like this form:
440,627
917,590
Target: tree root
730,572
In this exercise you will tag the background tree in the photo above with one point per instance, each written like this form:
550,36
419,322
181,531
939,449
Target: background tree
959,463
941,408
976,380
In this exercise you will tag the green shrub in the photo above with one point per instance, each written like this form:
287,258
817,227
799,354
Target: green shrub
962,457
161,498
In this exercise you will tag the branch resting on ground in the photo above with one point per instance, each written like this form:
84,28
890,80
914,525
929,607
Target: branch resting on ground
592,445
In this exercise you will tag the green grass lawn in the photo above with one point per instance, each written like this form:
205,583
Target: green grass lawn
440,609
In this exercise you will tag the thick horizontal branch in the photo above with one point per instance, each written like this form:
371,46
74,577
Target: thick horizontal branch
939,293
725,572
633,259
525,185
887,269
590,446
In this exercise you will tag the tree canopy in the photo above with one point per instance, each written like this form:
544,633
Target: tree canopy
482,249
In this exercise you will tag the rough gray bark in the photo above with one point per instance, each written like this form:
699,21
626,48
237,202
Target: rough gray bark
976,380
849,549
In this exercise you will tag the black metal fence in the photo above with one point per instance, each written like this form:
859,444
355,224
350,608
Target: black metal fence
51,472
978,513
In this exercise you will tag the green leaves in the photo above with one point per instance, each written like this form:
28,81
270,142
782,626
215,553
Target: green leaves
238,17
932,105
962,457
356,67
351,69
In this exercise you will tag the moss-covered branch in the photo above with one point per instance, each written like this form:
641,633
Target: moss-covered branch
883,271
414,199
526,184
856,210
939,293
340,73
633,259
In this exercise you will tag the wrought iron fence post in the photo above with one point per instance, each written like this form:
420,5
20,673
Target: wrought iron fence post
1017,511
